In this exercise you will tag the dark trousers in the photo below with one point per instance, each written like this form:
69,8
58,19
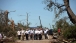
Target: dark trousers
36,37
40,36
19,36
59,33
31,36
46,36
27,36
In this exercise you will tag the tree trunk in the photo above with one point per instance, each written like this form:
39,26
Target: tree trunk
71,15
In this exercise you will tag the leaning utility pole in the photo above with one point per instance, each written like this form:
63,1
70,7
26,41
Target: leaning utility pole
40,22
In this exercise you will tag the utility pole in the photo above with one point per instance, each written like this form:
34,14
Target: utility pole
27,24
50,25
27,20
40,22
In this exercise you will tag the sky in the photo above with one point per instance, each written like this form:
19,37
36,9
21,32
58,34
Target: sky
34,8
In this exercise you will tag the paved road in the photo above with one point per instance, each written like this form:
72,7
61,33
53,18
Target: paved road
36,41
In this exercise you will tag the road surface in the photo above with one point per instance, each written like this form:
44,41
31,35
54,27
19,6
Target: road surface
36,41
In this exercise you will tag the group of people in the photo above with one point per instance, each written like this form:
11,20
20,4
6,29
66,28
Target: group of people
33,34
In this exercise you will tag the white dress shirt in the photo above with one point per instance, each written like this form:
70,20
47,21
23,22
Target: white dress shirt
27,32
18,32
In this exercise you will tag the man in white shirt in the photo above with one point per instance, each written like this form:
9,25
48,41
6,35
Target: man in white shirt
31,34
19,34
40,34
45,33
22,34
27,34
36,34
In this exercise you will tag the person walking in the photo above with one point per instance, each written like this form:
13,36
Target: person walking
36,34
27,34
19,34
40,34
31,34
22,34
45,33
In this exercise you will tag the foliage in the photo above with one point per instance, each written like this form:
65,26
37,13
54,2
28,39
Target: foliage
4,26
9,32
20,25
70,32
53,5
61,23
55,30
59,8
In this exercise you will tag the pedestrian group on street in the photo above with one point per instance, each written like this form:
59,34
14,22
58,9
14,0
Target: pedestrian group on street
32,34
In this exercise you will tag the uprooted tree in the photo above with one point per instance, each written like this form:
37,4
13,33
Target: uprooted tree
5,28
3,19
59,8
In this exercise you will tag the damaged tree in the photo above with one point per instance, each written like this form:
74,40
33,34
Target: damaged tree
61,8
3,19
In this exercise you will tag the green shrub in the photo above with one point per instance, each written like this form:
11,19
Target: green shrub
70,32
